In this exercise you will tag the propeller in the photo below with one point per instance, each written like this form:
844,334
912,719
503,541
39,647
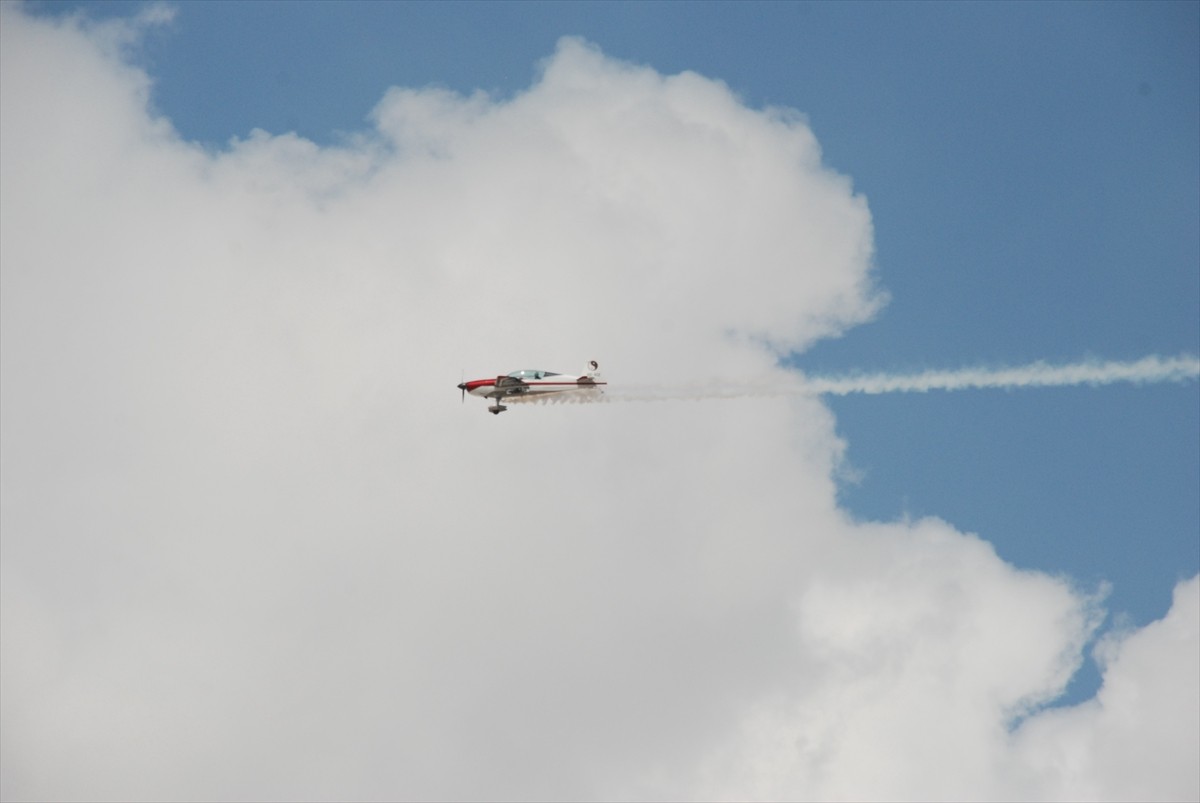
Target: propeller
463,385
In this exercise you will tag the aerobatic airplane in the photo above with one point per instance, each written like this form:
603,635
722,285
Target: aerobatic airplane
530,383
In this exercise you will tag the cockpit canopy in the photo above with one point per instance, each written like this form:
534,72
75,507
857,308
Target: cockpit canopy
532,373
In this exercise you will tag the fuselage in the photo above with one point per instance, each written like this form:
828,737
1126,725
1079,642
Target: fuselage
530,382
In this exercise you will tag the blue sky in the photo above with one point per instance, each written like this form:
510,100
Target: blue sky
1032,175
1033,178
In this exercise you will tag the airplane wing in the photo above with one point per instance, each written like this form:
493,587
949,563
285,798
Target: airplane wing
507,386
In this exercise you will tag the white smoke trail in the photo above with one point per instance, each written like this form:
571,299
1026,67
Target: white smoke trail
1148,370
1035,375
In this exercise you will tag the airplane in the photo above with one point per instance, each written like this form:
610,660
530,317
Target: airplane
530,383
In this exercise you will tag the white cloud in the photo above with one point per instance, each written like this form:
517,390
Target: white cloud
254,548
1142,728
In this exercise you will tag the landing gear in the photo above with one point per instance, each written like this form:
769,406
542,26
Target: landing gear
497,408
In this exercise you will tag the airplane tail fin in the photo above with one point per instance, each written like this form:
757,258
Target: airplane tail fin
593,369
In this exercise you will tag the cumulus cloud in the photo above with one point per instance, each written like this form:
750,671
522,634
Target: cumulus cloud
253,547
1130,742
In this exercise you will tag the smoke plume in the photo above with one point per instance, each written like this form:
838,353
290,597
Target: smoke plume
1148,370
